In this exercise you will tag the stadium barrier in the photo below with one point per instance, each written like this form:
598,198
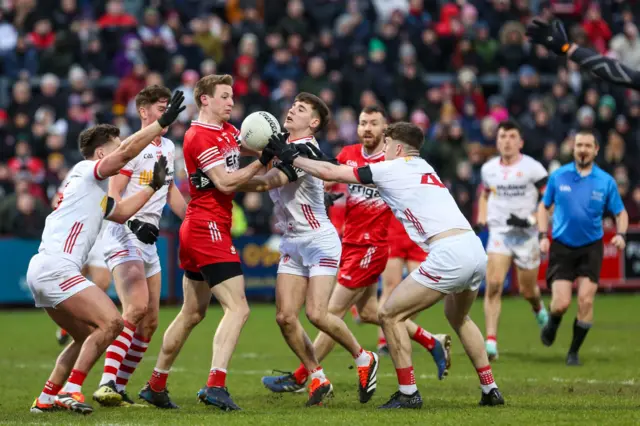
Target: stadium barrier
260,262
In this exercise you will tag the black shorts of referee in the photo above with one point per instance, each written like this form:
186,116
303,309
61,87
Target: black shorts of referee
569,263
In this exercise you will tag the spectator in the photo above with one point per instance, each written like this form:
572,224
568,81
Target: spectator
632,205
511,54
468,91
626,46
596,28
430,53
210,44
22,61
23,216
316,78
486,48
8,35
42,37
129,87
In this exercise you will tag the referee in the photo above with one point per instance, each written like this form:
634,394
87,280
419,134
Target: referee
580,193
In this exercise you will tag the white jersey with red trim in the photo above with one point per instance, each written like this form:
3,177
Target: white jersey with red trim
512,189
299,205
140,172
417,197
71,230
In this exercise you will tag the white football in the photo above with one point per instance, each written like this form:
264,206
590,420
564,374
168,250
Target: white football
257,128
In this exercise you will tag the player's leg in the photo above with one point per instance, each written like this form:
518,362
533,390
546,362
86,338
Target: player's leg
93,307
528,284
133,292
99,274
142,336
227,285
561,273
408,298
391,277
587,290
197,295
64,363
342,298
498,265
457,307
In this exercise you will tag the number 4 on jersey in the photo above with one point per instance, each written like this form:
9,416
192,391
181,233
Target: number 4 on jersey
431,179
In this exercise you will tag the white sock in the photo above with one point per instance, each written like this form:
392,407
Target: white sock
363,359
408,389
318,373
45,398
487,388
71,388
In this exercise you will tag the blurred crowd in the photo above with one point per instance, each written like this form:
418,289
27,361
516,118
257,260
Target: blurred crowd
455,68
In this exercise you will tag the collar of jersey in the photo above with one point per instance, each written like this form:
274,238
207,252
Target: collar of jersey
575,170
302,139
372,156
205,125
512,164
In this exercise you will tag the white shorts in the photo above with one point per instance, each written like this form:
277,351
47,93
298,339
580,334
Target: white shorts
522,245
54,279
310,255
96,255
121,245
454,264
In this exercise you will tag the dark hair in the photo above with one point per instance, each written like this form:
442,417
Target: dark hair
96,136
372,109
152,94
509,125
587,132
407,133
318,106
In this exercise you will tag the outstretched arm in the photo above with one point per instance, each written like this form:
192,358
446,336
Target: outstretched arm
608,69
327,171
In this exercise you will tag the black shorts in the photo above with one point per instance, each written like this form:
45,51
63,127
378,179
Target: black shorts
215,273
568,263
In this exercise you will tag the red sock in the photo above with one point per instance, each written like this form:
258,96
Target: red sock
538,308
77,377
301,374
485,375
492,337
51,388
425,339
217,377
382,341
158,381
406,376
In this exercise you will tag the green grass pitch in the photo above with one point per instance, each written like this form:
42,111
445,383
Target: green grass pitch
537,386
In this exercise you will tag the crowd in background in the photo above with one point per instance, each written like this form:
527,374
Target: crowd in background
454,68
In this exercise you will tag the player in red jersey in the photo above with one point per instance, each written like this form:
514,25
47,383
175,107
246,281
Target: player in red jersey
210,261
364,256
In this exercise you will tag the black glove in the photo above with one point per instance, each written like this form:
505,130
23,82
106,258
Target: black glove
174,108
553,36
160,172
517,222
266,156
286,152
200,180
146,232
479,227
331,197
313,152
288,170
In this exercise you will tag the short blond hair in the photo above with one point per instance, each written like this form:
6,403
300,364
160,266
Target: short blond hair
207,85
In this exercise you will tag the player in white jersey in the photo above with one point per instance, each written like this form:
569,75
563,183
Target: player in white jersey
132,256
310,254
95,267
454,269
54,278
513,184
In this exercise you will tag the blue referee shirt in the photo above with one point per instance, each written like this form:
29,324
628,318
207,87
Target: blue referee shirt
580,203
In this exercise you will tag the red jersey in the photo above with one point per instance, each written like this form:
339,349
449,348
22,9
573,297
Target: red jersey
367,216
205,147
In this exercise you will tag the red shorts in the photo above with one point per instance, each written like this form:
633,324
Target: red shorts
360,266
204,243
403,247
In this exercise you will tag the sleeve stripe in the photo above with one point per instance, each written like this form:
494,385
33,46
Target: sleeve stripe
212,165
213,150
96,172
126,172
209,159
